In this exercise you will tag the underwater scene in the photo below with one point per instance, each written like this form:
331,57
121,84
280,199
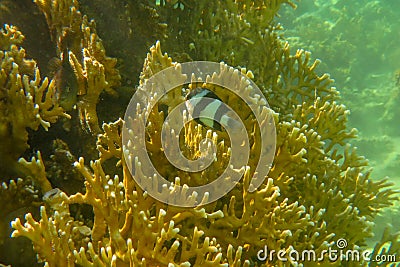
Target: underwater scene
199,133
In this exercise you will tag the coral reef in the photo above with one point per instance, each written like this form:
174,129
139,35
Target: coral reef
357,44
76,39
231,230
317,192
128,38
27,100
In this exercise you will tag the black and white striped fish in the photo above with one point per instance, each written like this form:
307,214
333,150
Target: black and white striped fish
207,109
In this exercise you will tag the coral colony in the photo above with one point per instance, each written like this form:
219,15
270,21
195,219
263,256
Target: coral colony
317,192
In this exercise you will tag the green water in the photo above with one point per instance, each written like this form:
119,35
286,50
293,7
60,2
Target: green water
358,44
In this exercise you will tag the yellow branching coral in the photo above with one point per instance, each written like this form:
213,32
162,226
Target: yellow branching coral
308,201
386,249
77,39
141,248
94,45
35,169
109,144
52,246
155,62
329,120
15,194
10,35
11,39
91,80
63,18
26,102
316,192
226,32
55,235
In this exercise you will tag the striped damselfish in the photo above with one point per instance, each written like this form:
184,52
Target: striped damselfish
207,109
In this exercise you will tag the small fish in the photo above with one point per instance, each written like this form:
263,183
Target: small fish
208,109
54,67
66,84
